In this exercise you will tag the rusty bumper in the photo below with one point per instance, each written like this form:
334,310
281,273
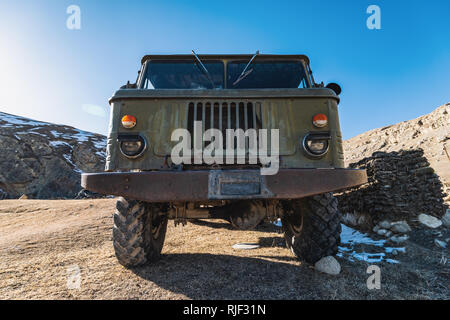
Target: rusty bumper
204,185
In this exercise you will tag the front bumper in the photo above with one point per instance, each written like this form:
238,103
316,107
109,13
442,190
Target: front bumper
204,185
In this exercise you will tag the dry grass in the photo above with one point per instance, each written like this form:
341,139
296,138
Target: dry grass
40,239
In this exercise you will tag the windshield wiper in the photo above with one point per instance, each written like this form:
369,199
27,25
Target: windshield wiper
245,73
204,69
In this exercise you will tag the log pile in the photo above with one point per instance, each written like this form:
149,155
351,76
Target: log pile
401,186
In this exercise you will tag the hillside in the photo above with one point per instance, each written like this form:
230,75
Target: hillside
430,132
44,160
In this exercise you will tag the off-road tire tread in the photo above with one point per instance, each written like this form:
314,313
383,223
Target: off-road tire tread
132,239
320,234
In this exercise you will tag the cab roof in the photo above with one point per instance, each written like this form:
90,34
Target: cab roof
225,57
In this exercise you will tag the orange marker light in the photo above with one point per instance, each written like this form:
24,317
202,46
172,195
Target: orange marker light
128,121
320,120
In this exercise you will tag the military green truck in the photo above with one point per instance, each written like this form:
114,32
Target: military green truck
245,93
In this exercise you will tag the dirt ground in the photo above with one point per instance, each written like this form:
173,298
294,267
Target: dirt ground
42,242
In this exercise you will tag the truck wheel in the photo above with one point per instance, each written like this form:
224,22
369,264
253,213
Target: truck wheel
138,233
312,227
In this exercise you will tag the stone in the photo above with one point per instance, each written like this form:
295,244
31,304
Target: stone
245,246
399,239
400,227
440,243
86,194
446,219
349,219
384,224
429,221
382,232
394,252
376,228
388,234
328,265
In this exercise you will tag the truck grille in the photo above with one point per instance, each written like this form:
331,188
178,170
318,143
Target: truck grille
224,115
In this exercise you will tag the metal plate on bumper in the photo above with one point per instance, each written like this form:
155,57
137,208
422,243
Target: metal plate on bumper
237,184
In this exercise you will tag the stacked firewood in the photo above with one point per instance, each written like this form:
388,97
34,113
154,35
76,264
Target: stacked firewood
401,186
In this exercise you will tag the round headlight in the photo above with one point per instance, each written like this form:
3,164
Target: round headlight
315,146
133,148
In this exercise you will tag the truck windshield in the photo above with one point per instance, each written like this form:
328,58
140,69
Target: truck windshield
267,74
188,74
183,75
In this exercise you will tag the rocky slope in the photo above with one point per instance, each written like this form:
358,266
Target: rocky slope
430,132
44,160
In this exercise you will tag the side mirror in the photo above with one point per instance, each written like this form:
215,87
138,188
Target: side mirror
335,87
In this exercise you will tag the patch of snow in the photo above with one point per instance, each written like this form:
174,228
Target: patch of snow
350,238
68,158
100,145
32,132
57,144
390,249
365,256
20,121
56,134
393,261
82,136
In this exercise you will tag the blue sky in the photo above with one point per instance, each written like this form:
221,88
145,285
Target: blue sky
54,74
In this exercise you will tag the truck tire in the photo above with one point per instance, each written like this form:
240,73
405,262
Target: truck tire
312,227
138,233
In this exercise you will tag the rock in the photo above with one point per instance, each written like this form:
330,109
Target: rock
429,221
376,228
382,232
388,234
446,219
23,197
385,224
45,160
400,227
394,252
328,265
349,219
86,194
245,246
440,244
399,239
3,195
